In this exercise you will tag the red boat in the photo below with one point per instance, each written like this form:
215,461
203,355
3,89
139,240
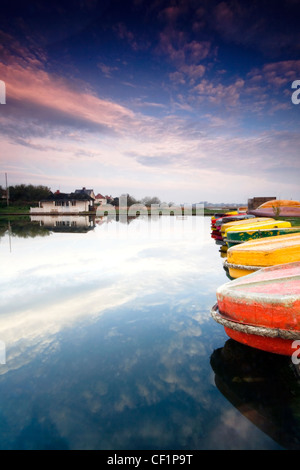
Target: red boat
262,309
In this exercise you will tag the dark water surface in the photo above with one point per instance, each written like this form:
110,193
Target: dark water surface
109,343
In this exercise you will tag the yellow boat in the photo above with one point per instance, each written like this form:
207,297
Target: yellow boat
243,222
260,224
248,257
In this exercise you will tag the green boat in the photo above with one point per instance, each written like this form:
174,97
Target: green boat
234,238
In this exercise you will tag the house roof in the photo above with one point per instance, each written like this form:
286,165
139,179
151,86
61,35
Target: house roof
99,196
81,196
90,192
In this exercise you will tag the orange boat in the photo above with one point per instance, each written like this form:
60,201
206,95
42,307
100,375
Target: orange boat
277,208
262,309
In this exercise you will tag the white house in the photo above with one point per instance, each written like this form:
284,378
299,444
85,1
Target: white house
63,203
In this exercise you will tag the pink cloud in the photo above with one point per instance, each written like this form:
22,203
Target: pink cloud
196,51
194,72
29,85
281,73
107,70
219,94
171,44
267,85
276,73
185,56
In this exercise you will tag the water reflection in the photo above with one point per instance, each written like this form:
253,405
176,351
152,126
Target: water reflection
109,336
21,227
41,226
264,387
71,224
68,280
223,248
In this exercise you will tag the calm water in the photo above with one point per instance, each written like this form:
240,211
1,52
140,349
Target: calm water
108,343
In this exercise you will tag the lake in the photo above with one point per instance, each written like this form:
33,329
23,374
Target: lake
107,342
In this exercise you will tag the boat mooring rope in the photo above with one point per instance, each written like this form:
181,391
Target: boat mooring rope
253,330
241,266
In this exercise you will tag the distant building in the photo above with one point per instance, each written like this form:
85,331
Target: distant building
255,202
63,203
100,200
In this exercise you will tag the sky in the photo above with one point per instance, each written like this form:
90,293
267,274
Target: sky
187,100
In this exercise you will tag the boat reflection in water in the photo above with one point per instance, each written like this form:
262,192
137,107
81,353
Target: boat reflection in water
264,387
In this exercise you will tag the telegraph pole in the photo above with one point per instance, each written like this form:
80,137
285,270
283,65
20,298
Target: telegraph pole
7,191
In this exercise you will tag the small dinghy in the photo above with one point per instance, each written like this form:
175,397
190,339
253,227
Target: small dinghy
277,208
262,310
250,256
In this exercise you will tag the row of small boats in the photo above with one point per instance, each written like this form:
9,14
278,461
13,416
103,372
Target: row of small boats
260,306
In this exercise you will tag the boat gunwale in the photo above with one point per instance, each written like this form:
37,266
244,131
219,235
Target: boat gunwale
252,329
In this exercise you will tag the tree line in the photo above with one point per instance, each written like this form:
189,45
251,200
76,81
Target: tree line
145,201
28,193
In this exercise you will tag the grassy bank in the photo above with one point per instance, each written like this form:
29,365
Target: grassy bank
14,210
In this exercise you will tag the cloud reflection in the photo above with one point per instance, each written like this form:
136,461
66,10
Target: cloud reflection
72,278
115,333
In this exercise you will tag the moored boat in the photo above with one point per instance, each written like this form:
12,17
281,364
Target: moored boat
262,310
246,222
232,218
241,236
216,217
222,225
277,208
256,223
250,256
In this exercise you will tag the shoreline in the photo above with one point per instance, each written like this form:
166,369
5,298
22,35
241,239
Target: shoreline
92,214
